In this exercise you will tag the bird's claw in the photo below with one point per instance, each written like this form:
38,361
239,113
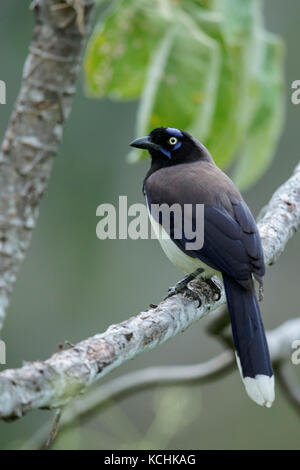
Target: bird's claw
180,286
171,291
183,287
186,290
193,294
177,289
215,288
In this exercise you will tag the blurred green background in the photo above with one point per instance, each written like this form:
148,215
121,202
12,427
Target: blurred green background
72,285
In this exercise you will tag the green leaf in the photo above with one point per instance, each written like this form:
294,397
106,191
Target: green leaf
206,66
238,18
119,50
173,97
155,74
267,115
230,118
199,3
99,2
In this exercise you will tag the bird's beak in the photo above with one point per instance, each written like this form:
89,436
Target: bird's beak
144,143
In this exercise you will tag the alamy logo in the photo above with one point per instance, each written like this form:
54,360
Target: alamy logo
295,358
2,92
295,97
2,352
180,222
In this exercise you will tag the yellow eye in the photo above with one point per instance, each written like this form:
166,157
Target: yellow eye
173,140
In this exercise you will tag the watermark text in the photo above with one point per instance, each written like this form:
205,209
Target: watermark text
295,97
2,92
295,357
2,352
180,222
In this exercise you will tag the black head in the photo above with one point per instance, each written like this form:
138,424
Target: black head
171,146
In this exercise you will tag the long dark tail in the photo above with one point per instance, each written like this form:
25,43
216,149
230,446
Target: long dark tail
249,338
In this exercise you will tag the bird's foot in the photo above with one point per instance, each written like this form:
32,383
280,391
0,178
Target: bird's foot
183,287
193,294
215,288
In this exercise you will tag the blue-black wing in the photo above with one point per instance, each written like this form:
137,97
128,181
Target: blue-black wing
231,239
232,245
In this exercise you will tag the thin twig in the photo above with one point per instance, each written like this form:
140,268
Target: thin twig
53,430
105,395
102,396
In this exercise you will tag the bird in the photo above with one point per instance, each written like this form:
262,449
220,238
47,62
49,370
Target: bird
183,172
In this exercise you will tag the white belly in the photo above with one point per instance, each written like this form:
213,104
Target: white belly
183,262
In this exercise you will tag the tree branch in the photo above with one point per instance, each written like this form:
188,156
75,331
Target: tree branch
213,369
118,388
36,128
164,375
53,383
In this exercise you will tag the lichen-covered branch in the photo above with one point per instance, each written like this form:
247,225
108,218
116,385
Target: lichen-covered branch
107,394
279,339
36,128
280,218
53,383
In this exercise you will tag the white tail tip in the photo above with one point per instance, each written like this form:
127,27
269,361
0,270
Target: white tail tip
260,389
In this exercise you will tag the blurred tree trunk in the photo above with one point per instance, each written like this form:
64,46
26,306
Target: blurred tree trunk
36,128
